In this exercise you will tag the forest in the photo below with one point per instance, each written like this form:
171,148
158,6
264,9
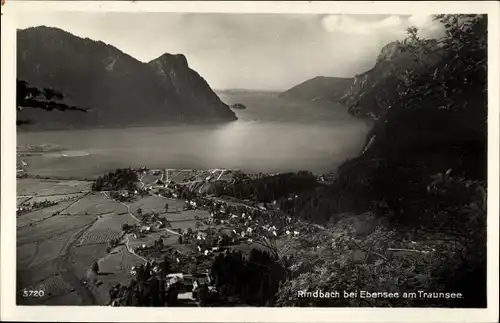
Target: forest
422,172
121,179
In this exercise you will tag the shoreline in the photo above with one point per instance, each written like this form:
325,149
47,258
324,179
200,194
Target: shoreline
91,179
58,127
251,174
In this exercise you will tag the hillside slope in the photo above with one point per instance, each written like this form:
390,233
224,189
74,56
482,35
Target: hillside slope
370,93
422,173
115,87
320,88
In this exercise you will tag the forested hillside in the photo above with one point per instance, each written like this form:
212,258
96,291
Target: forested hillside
423,170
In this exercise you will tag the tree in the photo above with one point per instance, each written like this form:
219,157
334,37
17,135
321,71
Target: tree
166,265
139,211
203,294
94,267
46,99
125,227
192,269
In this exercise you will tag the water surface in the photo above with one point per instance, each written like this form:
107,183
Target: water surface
271,135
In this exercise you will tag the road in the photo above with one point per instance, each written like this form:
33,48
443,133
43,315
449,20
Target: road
127,236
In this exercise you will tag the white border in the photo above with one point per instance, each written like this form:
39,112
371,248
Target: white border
9,311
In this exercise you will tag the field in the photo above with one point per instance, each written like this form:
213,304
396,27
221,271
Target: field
56,245
150,204
46,187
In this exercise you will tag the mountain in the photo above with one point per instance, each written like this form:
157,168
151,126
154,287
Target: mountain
370,92
320,88
117,89
422,175
246,92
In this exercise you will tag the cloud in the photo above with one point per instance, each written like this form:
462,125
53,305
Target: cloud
392,25
426,25
350,25
420,20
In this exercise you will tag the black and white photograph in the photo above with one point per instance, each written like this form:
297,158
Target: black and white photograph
251,159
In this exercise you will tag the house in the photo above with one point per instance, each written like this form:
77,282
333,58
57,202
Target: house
201,235
178,276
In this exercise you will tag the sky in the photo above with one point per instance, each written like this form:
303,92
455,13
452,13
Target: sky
245,51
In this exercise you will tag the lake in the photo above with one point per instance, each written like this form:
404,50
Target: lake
272,135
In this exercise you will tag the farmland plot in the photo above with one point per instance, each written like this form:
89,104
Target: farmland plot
156,204
95,204
188,215
56,198
150,179
52,286
50,249
51,227
40,187
41,214
21,200
99,236
29,276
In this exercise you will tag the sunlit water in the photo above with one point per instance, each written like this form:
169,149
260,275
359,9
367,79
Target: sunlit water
271,135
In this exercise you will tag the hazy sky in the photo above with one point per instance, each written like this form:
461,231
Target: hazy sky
252,51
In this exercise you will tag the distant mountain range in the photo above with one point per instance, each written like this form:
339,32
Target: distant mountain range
246,92
115,87
320,88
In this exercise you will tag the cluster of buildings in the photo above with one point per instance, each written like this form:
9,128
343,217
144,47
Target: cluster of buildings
28,207
178,287
154,220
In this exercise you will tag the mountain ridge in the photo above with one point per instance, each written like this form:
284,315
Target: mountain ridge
118,89
319,88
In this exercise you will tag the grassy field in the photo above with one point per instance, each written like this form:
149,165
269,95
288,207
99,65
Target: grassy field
150,204
56,245
46,187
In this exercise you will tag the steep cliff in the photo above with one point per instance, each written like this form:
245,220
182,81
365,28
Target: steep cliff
115,87
372,91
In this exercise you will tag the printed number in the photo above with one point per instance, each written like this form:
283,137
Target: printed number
33,293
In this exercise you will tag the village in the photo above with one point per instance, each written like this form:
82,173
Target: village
229,226
138,225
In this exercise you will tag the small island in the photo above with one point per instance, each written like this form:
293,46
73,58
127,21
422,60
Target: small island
238,106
